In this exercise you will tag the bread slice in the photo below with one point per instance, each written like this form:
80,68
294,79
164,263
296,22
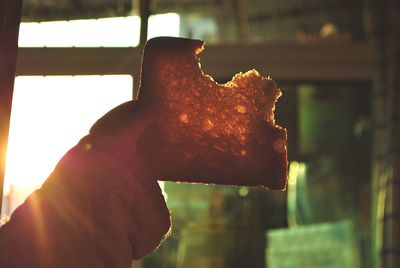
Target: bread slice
208,132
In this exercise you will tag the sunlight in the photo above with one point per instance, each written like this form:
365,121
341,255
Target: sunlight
104,32
49,115
164,25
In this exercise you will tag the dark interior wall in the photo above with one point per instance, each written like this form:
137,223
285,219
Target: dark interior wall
383,24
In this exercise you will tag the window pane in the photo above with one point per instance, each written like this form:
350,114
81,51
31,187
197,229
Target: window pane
49,115
105,32
164,25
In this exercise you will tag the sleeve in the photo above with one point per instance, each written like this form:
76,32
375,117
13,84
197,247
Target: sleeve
91,212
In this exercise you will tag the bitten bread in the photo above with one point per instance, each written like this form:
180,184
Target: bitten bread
208,132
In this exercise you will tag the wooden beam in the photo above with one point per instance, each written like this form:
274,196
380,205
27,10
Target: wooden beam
283,61
144,12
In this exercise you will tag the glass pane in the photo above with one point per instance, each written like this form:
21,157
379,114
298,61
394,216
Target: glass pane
49,115
105,32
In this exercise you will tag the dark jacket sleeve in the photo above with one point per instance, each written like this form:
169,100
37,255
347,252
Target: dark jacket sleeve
90,212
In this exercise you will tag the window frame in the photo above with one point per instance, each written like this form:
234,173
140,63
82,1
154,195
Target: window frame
349,61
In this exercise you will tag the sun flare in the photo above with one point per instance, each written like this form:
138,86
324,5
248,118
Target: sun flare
49,116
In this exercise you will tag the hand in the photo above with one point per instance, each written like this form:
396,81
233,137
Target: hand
101,207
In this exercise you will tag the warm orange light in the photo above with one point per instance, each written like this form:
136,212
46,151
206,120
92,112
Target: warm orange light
49,116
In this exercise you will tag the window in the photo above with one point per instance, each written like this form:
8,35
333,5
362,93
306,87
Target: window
104,32
50,114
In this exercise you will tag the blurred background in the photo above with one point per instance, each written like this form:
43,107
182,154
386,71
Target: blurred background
337,64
